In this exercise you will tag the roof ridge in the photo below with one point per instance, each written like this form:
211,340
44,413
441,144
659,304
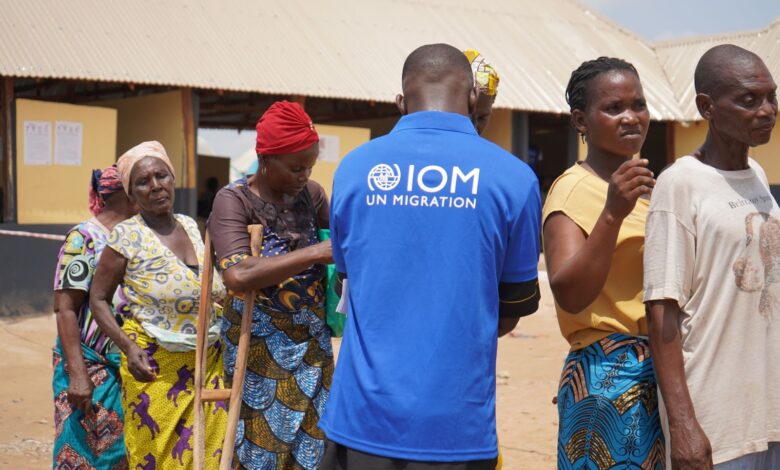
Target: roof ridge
609,22
699,38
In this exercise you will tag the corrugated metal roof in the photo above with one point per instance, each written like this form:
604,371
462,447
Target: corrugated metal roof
351,49
679,59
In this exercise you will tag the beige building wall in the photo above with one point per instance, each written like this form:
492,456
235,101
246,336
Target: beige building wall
768,156
377,127
499,130
349,138
688,138
157,117
54,193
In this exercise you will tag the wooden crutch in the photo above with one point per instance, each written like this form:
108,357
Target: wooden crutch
236,392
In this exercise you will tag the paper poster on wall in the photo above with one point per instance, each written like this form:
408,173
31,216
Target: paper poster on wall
330,148
37,143
68,140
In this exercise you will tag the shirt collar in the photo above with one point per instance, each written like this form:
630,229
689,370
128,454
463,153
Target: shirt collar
436,120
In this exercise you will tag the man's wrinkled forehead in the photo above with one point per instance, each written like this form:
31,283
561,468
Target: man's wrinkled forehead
747,76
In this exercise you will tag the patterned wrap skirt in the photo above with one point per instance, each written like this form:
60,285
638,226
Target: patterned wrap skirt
89,442
160,414
608,407
288,376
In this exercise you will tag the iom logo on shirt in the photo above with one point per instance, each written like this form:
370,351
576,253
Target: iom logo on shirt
438,184
384,177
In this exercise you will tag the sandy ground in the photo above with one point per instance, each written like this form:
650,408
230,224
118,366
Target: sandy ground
529,362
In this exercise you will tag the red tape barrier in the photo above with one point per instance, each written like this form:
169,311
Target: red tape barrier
45,236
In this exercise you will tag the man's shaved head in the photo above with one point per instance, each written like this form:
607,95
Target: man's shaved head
719,68
437,77
736,94
434,62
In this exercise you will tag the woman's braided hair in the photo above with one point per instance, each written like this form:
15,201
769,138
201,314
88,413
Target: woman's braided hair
577,89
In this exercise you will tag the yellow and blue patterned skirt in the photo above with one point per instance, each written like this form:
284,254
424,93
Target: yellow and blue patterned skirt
159,415
288,377
608,407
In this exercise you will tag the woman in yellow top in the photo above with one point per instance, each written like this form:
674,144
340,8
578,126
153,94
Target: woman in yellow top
594,228
157,256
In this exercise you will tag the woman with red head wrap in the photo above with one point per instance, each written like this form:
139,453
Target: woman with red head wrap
290,361
87,393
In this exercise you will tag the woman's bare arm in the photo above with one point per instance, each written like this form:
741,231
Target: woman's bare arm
690,447
108,275
67,304
259,273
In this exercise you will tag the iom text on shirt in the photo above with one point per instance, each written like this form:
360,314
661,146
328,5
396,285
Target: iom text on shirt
430,186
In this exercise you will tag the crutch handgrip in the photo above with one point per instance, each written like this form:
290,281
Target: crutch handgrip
255,239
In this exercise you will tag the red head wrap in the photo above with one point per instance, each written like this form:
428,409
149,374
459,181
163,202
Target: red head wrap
284,128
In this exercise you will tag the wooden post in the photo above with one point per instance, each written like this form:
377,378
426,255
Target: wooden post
520,134
670,144
190,143
300,99
8,205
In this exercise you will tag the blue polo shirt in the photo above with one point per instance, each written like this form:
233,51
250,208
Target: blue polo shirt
426,222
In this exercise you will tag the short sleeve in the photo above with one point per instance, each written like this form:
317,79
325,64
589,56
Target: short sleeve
335,240
578,196
227,228
522,256
75,264
670,242
668,259
319,200
317,193
336,230
126,238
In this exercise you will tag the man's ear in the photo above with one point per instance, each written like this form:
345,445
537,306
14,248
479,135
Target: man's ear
473,95
578,121
400,104
704,104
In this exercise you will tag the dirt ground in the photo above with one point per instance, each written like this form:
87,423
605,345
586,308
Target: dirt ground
529,362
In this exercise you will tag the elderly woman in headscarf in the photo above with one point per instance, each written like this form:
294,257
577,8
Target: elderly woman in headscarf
486,80
290,362
157,256
87,411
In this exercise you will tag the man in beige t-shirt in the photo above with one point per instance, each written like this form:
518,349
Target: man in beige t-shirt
712,277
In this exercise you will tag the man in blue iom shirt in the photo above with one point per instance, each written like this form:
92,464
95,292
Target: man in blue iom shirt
437,231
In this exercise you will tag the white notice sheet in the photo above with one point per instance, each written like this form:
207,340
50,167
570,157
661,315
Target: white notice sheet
330,148
37,142
67,143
